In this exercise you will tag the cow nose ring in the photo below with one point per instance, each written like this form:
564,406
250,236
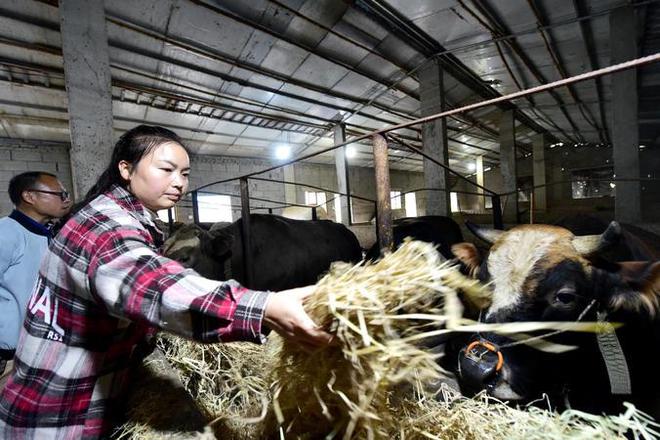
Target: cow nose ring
477,349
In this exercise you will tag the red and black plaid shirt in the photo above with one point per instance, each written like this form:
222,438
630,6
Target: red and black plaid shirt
102,290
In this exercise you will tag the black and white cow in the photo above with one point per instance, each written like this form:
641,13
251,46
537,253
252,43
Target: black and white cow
286,253
439,230
546,273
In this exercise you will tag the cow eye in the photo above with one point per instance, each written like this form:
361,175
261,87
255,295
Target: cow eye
565,296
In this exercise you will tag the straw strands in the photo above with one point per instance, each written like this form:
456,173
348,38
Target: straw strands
376,381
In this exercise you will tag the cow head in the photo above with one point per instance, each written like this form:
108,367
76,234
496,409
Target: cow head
204,251
545,273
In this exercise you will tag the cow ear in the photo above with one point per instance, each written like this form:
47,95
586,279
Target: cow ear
221,243
469,256
637,288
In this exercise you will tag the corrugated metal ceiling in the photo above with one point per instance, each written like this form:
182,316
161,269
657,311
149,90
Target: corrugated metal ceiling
238,78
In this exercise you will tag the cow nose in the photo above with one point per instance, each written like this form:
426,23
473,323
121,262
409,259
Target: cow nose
479,363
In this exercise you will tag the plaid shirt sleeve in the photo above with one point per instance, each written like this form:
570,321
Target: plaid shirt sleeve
135,282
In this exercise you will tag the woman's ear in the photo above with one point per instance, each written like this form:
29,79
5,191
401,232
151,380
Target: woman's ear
125,169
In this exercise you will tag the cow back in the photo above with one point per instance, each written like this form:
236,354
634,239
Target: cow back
290,253
436,229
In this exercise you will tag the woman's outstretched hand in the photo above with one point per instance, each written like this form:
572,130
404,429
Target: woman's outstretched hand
285,315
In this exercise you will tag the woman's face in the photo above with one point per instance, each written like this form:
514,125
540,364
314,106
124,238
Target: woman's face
160,178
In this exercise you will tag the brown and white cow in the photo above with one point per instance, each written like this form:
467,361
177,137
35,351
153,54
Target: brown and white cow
545,273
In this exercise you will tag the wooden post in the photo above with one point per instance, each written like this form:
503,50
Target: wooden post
383,206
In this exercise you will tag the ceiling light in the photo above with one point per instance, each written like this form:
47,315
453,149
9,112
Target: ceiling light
472,166
282,152
494,82
351,152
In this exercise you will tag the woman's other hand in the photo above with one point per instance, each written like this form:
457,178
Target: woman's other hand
285,314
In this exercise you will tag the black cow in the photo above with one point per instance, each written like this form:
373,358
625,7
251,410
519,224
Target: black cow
546,273
286,253
441,231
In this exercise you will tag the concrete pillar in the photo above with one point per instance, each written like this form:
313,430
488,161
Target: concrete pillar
434,138
508,166
624,125
88,87
539,143
481,201
290,191
341,166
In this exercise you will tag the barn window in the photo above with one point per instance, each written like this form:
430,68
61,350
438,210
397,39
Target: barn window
214,208
411,205
338,208
314,198
592,183
453,201
162,214
395,198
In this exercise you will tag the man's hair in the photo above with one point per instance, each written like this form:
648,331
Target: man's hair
22,182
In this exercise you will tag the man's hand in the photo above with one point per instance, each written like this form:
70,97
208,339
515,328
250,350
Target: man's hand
285,314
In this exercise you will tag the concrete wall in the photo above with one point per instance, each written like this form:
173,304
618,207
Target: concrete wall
19,156
362,183
211,168
560,164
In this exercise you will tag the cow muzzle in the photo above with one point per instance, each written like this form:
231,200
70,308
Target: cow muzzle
479,364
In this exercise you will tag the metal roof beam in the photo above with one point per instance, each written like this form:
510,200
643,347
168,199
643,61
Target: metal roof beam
411,34
499,29
537,9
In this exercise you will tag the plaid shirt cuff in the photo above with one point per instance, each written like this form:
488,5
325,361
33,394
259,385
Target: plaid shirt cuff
249,315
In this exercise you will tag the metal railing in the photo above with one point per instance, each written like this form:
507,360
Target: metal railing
380,152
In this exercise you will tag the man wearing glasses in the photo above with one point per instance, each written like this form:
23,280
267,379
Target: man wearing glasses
39,198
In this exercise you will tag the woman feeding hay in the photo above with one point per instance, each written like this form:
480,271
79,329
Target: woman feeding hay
103,290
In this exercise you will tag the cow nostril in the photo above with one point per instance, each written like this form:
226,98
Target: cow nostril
479,364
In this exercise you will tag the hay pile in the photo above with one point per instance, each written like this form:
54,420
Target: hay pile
376,382
373,310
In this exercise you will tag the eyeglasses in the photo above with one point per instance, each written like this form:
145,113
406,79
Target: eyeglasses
64,195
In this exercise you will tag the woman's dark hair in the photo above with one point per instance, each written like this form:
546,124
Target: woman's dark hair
132,146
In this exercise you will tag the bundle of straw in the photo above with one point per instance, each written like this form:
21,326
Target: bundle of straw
376,382
372,309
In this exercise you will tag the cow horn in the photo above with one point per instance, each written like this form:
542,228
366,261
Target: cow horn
486,234
591,244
